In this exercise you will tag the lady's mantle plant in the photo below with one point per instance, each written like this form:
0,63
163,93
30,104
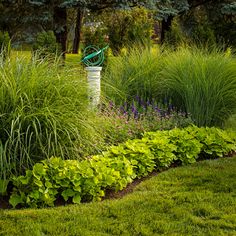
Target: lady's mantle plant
88,180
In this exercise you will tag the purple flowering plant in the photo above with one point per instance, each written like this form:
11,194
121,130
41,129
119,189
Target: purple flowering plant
131,119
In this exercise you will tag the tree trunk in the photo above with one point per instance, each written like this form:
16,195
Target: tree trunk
165,27
60,28
78,27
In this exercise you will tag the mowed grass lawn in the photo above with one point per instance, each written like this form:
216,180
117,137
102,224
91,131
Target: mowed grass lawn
199,199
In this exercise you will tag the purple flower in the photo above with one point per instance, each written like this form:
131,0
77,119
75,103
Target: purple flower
111,105
122,109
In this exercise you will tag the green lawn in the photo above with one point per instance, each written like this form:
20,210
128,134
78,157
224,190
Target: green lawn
193,200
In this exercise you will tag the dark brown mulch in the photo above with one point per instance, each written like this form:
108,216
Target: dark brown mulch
4,203
111,194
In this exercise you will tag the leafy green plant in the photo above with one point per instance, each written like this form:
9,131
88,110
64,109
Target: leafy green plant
215,142
185,146
188,148
89,179
46,45
161,147
138,153
71,180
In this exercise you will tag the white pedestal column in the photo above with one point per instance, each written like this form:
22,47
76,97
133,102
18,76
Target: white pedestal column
94,84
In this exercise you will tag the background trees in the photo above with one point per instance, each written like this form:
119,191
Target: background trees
201,19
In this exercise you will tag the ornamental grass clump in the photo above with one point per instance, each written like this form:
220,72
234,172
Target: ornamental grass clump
199,81
43,113
133,74
202,83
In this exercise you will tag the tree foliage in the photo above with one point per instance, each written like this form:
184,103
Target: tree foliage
24,19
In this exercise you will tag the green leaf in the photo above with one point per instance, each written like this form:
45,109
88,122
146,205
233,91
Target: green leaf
48,184
68,193
39,170
76,199
35,194
15,199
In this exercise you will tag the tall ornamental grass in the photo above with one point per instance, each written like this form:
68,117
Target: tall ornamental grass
202,83
198,81
42,114
135,74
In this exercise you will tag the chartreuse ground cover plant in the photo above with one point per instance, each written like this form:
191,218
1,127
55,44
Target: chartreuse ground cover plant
88,180
198,199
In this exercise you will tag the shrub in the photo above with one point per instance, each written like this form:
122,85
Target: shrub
127,28
197,81
135,74
119,28
138,153
215,142
187,148
161,147
94,36
46,45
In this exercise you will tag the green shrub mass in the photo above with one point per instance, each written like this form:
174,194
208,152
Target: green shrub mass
46,45
88,180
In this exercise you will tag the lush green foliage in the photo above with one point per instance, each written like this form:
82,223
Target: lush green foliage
138,153
46,45
161,147
198,81
134,74
192,200
119,29
216,142
43,113
186,146
202,83
88,180
201,22
84,180
126,28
